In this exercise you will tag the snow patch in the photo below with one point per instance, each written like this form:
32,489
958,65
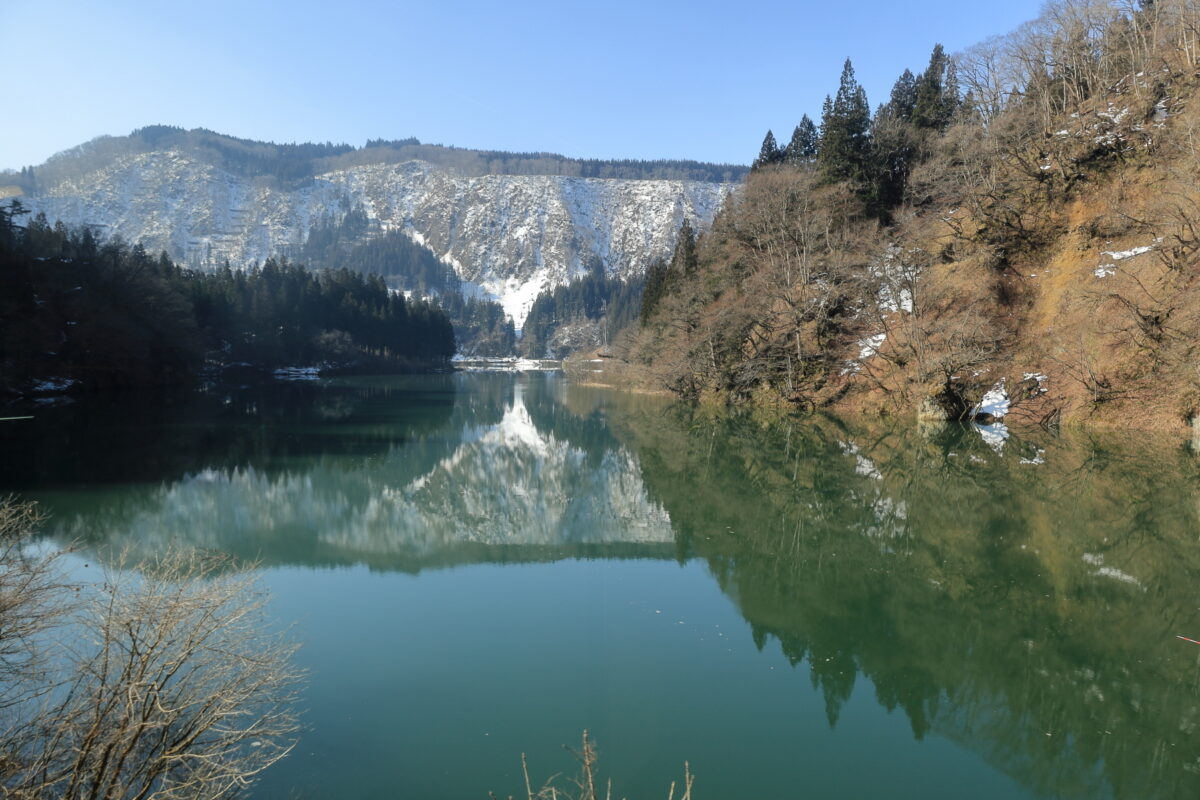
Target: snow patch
1121,255
994,435
516,295
1116,574
862,464
1038,458
1105,270
1097,560
870,346
995,402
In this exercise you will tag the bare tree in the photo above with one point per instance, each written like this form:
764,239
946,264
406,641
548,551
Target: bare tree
583,786
31,604
938,335
171,684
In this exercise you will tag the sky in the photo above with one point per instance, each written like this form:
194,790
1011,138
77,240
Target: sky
650,79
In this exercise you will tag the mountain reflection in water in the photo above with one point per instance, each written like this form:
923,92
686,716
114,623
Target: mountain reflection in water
472,487
1020,598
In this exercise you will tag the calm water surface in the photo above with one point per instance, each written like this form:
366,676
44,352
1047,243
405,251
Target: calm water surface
484,565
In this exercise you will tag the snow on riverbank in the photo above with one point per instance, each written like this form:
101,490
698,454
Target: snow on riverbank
995,403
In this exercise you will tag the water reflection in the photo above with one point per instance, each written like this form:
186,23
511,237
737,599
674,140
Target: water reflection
477,482
1022,601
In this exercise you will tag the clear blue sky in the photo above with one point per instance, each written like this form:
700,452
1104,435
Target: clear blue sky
645,79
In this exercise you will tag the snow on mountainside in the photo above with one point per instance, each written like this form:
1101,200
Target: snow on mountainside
511,235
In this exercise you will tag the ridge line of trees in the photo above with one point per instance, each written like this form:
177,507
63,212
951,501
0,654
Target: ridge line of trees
293,164
872,153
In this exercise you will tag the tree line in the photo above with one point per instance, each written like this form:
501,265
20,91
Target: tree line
872,153
105,313
291,165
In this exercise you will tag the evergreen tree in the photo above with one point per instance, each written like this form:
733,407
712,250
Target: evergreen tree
803,146
684,261
655,287
768,154
893,151
904,97
936,93
845,149
951,99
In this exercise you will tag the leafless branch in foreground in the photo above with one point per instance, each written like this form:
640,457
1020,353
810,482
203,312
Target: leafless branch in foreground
172,684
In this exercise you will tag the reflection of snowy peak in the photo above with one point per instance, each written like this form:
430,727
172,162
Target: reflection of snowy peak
514,485
513,235
506,485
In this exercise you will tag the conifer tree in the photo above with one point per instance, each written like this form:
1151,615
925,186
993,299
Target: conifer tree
893,151
936,93
769,153
904,97
803,146
845,132
684,260
951,101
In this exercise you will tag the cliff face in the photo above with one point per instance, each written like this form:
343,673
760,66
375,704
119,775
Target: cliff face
509,235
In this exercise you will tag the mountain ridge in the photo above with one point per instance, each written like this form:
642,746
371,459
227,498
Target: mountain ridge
510,236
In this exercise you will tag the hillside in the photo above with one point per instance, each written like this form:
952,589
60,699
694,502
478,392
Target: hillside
81,315
1014,235
511,225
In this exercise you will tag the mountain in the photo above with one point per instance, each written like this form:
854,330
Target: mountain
510,225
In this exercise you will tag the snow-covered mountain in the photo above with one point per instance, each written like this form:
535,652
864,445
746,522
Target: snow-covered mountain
509,235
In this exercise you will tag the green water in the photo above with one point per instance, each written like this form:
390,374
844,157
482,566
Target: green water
484,565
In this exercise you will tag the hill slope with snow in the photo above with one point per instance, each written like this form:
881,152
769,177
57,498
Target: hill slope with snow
510,235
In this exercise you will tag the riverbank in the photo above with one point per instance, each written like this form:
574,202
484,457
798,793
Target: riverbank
1021,401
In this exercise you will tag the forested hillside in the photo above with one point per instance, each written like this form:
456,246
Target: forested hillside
77,312
355,241
584,314
1022,219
